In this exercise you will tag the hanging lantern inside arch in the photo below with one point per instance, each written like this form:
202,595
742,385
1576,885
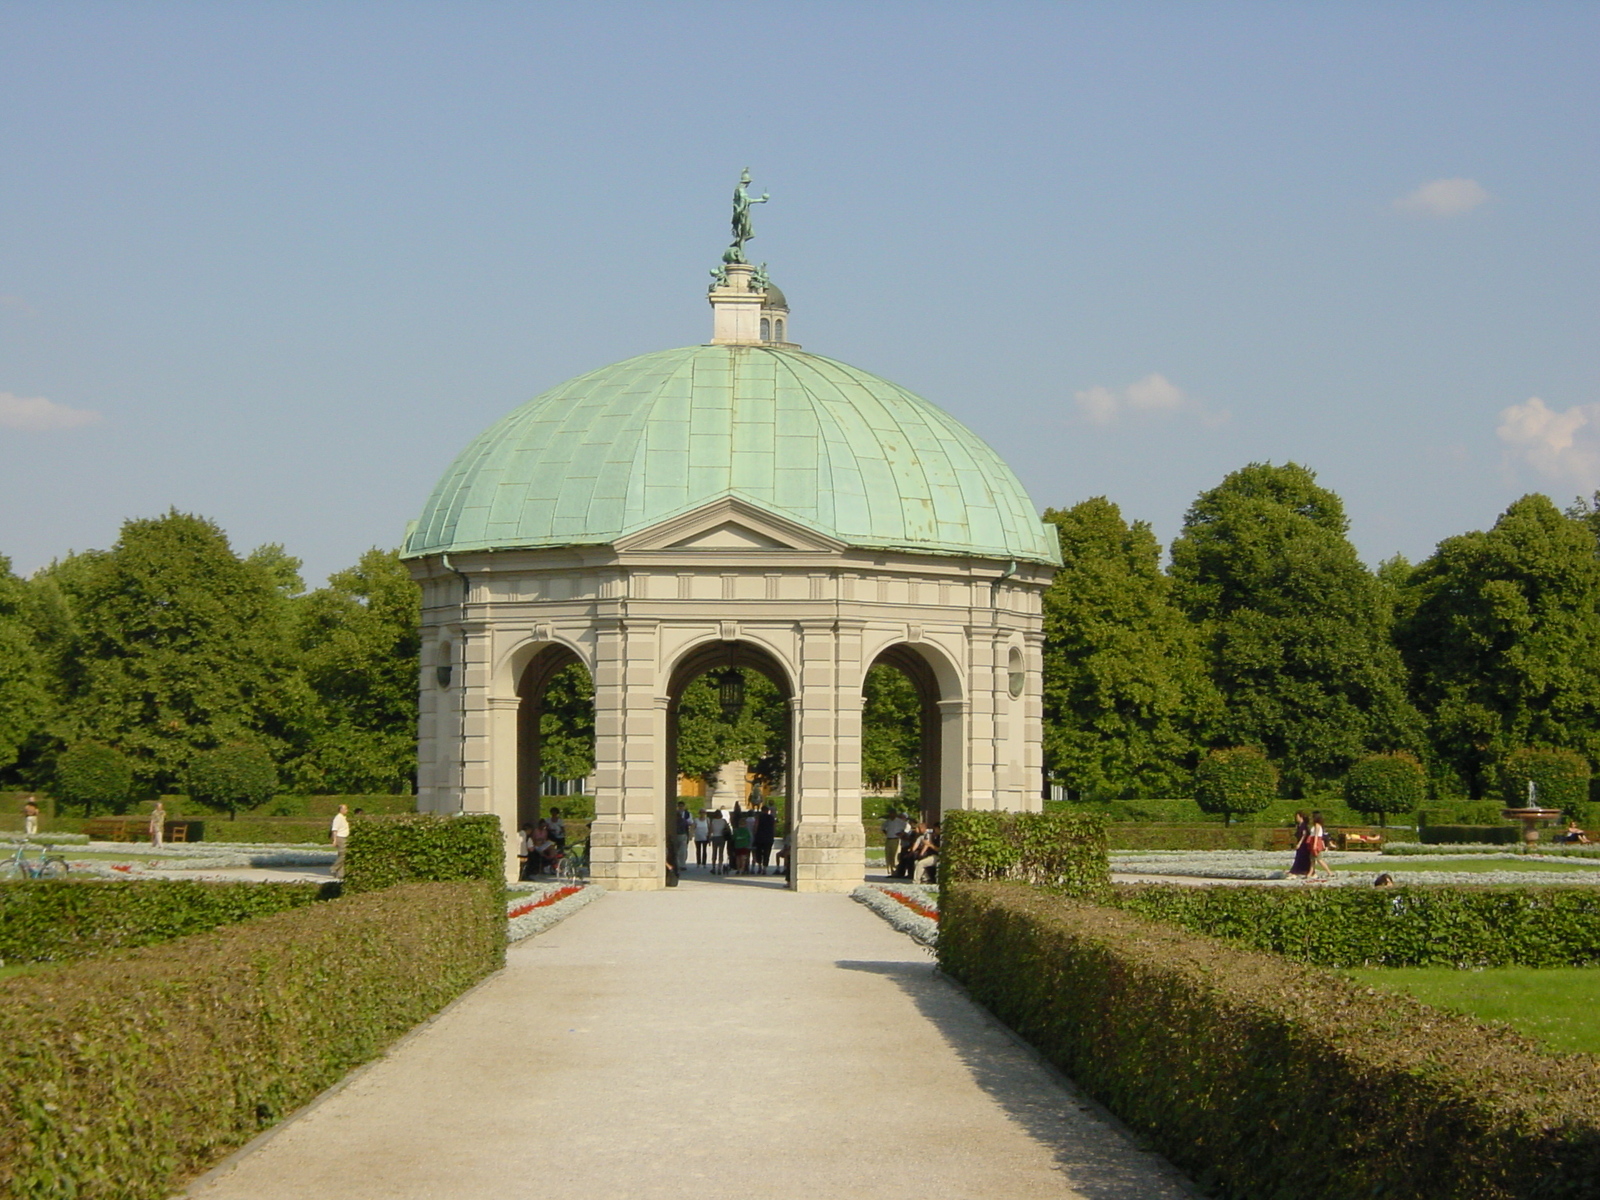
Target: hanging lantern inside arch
730,693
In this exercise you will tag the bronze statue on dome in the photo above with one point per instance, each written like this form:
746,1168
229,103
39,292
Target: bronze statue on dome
742,233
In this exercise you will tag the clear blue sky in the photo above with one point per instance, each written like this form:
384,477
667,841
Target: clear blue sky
276,263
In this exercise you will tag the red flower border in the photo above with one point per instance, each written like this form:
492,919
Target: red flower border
561,893
916,906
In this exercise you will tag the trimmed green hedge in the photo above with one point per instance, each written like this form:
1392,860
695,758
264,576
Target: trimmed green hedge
1464,812
1379,927
1335,812
1386,784
125,1075
1238,779
1472,835
385,851
53,920
1189,837
1262,1078
1065,852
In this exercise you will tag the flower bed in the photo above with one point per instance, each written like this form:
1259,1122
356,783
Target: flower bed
910,908
1265,866
537,906
142,863
1546,850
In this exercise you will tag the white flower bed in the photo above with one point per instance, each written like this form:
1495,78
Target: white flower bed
214,849
1268,865
1199,871
193,858
45,839
875,896
541,919
1498,850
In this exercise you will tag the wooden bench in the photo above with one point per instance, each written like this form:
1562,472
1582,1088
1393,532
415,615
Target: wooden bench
1283,839
1357,841
137,829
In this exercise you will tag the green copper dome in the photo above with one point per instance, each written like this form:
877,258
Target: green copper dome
838,450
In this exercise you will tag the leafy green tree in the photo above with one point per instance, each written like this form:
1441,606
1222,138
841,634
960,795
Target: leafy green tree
1501,633
24,697
1126,694
1560,779
1238,779
95,776
891,727
358,647
758,735
1386,783
566,728
177,644
1296,629
230,778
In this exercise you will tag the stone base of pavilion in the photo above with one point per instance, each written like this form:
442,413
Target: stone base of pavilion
625,856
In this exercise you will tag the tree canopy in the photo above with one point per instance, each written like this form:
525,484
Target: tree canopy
1296,629
1127,700
1501,633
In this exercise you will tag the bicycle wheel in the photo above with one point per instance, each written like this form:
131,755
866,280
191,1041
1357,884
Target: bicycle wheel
12,869
53,868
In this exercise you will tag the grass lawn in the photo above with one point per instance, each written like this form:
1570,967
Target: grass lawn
24,969
1466,863
1560,1006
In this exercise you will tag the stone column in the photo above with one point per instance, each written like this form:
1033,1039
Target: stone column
828,853
502,720
626,849
953,754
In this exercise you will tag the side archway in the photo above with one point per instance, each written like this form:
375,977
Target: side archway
533,686
941,718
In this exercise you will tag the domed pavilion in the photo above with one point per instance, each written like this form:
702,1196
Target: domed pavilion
744,504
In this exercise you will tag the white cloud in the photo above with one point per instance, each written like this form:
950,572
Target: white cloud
1153,394
1443,198
35,414
1559,445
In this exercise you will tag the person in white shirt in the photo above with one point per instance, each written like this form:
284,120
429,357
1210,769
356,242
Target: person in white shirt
893,826
702,835
339,831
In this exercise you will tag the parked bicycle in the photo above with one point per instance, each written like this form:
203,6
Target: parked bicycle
574,864
46,866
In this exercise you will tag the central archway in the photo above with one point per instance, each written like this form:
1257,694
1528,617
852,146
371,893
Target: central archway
715,658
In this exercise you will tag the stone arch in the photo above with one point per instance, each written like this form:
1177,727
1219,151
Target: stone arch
942,723
532,679
718,654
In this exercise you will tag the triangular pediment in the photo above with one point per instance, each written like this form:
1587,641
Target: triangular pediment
730,535
728,525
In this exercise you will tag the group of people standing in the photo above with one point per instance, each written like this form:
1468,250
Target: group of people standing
739,842
910,847
1310,847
